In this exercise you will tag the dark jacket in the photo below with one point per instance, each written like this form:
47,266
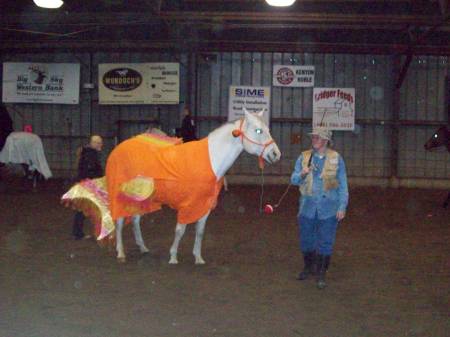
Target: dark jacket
89,165
188,129
6,126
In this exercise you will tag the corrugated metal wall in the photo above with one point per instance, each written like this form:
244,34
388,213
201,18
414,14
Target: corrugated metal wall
423,98
64,128
105,117
61,127
367,151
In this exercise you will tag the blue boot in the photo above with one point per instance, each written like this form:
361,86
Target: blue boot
308,265
323,262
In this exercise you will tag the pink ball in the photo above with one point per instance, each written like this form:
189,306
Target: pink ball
268,209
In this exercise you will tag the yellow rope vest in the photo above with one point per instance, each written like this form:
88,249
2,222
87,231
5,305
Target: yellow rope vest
328,174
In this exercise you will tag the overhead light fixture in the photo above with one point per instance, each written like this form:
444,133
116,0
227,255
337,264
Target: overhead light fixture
280,3
48,3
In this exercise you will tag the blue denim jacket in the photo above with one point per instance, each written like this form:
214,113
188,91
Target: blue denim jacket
325,203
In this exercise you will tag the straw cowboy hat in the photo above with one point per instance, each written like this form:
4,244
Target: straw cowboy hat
322,132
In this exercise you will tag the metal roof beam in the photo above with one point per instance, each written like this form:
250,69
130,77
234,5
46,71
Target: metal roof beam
177,45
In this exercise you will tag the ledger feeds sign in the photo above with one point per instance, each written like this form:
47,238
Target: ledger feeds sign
334,108
254,99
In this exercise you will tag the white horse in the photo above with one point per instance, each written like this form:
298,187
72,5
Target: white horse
225,144
25,148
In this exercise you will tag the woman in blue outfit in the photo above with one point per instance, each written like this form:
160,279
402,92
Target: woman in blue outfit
321,177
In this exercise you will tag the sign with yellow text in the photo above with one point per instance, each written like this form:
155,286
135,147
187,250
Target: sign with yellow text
139,83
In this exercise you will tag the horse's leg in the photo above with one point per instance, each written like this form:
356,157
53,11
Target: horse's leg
179,232
35,178
119,242
199,231
446,202
25,170
138,234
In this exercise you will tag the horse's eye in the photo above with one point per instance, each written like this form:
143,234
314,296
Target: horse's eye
435,136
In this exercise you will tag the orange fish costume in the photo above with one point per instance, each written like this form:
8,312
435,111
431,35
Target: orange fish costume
144,172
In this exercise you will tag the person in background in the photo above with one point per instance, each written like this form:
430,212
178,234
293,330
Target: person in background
187,130
320,174
6,125
89,167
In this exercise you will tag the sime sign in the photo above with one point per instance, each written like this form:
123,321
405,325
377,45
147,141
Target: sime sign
254,99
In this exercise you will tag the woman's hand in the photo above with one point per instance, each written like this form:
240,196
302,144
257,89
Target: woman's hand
305,171
340,215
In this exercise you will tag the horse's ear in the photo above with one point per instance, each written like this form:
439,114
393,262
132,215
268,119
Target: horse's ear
247,114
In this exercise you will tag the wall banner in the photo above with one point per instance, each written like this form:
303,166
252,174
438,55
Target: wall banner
293,76
139,83
51,83
254,99
334,108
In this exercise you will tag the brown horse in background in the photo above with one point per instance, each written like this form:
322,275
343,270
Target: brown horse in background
440,138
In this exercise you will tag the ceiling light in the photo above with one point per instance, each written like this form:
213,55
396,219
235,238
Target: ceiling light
49,3
280,3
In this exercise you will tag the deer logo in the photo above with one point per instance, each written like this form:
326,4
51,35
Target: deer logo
39,73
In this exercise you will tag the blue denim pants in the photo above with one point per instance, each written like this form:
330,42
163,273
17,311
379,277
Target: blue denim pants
317,235
77,229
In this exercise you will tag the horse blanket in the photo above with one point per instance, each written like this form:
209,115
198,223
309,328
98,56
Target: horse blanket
182,175
25,148
145,172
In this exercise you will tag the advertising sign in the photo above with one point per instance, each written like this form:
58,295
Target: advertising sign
293,76
139,83
334,108
254,99
51,83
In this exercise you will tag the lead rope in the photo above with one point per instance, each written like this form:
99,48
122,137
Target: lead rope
282,197
261,196
284,193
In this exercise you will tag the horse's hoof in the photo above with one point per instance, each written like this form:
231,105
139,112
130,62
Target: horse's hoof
199,261
173,260
121,259
144,250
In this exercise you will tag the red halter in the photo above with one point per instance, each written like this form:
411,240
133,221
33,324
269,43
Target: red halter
241,134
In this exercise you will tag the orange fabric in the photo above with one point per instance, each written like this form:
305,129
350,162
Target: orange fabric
184,179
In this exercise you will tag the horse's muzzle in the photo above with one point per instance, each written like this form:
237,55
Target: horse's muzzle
272,155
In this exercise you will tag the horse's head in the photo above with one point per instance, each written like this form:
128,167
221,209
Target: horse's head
256,137
440,138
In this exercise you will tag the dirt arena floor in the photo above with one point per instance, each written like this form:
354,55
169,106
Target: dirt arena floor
389,275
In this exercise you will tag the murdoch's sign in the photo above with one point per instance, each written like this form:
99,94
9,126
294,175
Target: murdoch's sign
122,79
139,83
